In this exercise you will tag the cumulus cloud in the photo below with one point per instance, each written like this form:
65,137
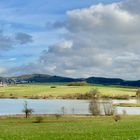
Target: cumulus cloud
55,25
101,40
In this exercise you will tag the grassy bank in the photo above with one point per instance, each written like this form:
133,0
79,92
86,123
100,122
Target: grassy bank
62,91
128,104
70,128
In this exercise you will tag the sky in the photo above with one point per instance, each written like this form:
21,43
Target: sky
76,38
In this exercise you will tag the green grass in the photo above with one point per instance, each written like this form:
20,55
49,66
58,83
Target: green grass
70,128
41,90
128,104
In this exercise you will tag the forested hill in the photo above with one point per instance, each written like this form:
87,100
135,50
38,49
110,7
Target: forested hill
43,78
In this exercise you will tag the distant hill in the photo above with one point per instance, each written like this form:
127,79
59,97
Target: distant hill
105,81
43,78
112,81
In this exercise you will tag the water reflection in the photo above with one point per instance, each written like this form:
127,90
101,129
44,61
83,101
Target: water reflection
15,106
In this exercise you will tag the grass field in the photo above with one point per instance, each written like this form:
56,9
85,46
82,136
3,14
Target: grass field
42,90
70,128
128,104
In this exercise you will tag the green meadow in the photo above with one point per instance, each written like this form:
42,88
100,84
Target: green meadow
61,90
70,128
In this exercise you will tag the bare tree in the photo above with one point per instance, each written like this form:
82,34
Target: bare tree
27,110
63,110
94,107
108,107
99,107
73,110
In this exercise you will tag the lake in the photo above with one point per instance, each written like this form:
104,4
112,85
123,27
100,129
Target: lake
57,106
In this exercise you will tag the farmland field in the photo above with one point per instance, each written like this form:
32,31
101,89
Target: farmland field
70,128
57,90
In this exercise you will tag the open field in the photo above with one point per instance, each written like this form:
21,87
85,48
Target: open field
45,91
70,128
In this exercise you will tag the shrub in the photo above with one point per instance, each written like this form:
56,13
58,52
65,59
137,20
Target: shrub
117,117
138,93
58,116
119,97
78,84
39,119
92,94
53,87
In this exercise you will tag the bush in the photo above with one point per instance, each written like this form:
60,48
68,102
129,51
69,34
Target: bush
138,93
58,116
78,84
92,94
39,119
117,117
53,87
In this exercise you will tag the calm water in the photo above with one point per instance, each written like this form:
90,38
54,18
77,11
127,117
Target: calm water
15,106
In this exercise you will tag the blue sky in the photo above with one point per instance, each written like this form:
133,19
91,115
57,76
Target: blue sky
42,36
30,16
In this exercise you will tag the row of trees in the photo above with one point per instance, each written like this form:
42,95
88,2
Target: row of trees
101,107
98,106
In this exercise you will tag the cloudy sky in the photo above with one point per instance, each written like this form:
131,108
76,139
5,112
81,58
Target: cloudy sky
75,38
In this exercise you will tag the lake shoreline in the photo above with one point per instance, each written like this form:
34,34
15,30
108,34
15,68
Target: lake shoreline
52,115
77,97
65,115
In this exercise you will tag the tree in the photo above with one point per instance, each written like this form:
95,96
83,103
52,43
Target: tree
27,110
108,107
94,107
63,110
99,107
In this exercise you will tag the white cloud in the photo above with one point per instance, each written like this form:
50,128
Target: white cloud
101,40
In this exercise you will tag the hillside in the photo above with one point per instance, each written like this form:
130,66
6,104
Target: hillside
43,78
37,78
